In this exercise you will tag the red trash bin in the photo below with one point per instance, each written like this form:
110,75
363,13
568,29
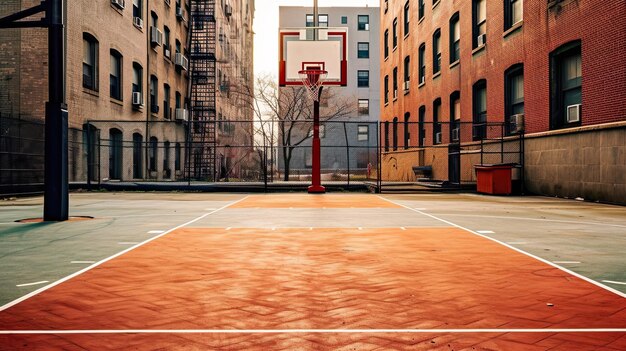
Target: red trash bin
494,179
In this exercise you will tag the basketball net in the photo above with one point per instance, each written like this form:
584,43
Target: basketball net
312,79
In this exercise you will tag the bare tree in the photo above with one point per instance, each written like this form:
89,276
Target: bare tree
292,110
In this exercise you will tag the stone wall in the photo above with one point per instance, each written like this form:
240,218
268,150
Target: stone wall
589,163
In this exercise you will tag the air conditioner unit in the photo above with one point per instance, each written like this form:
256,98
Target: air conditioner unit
407,85
438,138
455,134
137,99
228,10
179,13
138,22
156,36
181,61
167,52
182,114
573,113
517,123
367,26
482,39
120,4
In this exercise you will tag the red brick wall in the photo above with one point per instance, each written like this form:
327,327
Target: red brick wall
599,25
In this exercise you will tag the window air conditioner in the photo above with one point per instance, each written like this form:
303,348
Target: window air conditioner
573,113
120,4
137,99
156,36
455,134
182,114
167,52
438,138
367,26
482,39
181,61
407,85
517,123
138,22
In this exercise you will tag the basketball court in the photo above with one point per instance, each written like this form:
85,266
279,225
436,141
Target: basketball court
330,272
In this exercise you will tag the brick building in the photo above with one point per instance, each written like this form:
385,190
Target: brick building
127,86
463,64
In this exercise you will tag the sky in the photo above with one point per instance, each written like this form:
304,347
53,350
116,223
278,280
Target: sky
266,29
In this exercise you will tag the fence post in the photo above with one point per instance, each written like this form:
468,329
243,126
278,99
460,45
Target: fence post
345,133
379,155
89,156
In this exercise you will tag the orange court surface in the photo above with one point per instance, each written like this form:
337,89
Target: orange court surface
301,279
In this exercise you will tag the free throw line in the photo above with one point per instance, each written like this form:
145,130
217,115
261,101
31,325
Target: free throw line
53,284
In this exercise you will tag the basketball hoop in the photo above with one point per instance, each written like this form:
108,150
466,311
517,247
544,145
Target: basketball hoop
313,78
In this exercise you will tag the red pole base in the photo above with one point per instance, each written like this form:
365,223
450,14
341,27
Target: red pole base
317,189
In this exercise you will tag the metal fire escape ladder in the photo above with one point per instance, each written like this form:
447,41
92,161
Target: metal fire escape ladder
202,63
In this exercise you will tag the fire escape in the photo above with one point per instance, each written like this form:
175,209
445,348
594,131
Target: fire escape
202,63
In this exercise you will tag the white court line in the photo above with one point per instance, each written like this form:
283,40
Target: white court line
613,282
529,219
156,231
42,289
229,228
485,232
35,283
403,228
589,280
565,262
83,262
313,331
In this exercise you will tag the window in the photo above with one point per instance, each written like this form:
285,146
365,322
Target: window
422,64
407,72
566,85
166,159
363,79
167,112
513,92
90,62
309,21
115,77
363,133
177,156
137,9
322,20
363,22
395,33
344,19
386,43
437,51
406,18
363,50
386,89
167,49
386,135
420,9
137,156
155,19
115,153
178,46
480,110
177,100
137,78
364,107
455,38
436,121
513,10
152,154
455,116
421,128
407,134
395,83
395,133
154,93
479,29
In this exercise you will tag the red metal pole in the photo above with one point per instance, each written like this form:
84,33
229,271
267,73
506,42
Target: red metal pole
316,184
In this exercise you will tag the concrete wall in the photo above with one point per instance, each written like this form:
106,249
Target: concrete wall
589,163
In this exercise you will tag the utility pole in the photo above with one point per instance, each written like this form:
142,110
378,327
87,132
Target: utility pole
56,188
